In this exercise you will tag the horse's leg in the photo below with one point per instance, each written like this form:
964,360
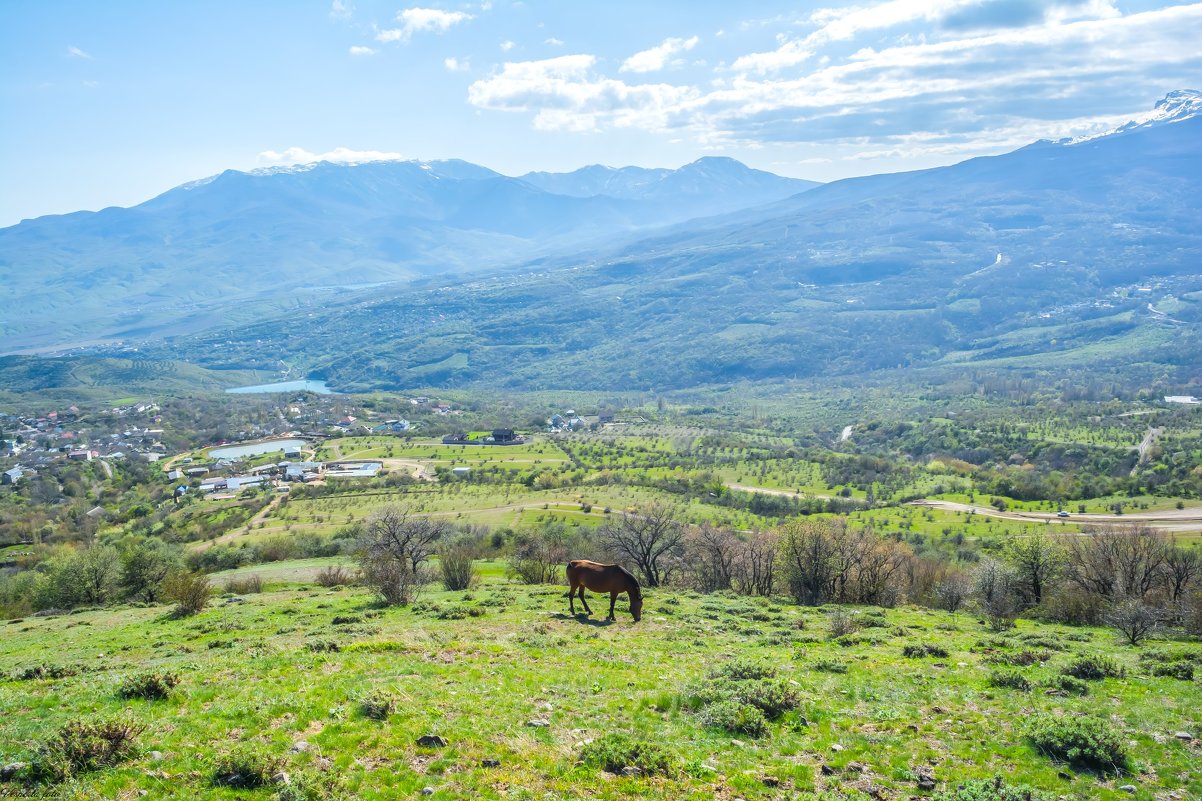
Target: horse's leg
613,598
572,598
584,601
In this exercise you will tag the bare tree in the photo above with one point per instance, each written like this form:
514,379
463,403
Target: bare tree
994,585
1134,619
651,538
953,591
755,570
1116,561
393,547
713,557
1182,568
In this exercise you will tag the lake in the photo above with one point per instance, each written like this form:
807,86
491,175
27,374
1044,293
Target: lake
255,448
318,387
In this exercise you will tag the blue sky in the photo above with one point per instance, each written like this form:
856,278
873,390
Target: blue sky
111,103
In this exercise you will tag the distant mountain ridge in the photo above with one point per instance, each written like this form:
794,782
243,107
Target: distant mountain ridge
237,244
1079,253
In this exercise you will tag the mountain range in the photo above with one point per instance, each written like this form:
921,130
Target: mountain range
1076,252
235,245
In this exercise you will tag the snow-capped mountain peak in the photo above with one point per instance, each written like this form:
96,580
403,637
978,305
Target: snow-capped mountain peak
1176,106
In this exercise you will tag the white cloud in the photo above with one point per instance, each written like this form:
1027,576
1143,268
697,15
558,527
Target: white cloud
506,46
942,94
341,9
455,65
553,42
417,20
658,57
566,95
344,155
362,50
75,52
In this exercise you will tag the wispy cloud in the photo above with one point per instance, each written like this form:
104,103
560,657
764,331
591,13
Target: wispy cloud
943,84
506,46
75,52
362,50
457,65
341,9
553,42
658,57
418,20
344,155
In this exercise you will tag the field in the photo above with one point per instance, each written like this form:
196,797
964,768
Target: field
504,673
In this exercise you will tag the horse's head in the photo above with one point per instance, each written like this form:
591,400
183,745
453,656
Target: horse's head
636,606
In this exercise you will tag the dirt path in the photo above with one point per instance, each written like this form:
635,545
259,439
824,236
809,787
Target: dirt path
786,493
1183,520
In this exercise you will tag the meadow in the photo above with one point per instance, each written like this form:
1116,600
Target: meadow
326,686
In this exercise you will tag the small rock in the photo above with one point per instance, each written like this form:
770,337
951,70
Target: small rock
1064,774
1183,735
827,770
836,747
538,724
156,756
9,771
631,770
770,781
324,763
736,742
490,763
299,747
427,791
281,779
432,741
1128,788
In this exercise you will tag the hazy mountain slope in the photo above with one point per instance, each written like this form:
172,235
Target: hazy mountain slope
240,245
1061,252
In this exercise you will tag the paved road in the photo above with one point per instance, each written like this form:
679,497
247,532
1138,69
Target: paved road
1188,519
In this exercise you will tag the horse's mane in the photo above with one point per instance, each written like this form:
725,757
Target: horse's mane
634,581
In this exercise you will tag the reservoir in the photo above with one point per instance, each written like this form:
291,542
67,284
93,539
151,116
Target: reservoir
318,387
256,448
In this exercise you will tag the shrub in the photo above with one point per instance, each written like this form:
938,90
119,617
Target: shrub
312,786
1010,679
190,592
992,790
919,650
1081,741
378,705
773,697
1093,668
455,563
613,752
1176,670
246,767
830,666
1070,685
32,672
735,717
742,670
843,623
245,585
1134,619
84,745
334,576
323,646
151,686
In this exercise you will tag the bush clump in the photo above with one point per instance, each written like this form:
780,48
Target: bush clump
245,585
827,665
743,670
1094,668
191,593
323,646
246,767
613,752
992,790
1175,670
378,705
1009,679
1081,741
84,745
151,686
1070,685
33,672
921,649
735,717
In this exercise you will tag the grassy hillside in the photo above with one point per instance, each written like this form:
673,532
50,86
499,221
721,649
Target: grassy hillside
283,680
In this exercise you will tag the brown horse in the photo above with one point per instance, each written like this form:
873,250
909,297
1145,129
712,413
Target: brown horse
613,579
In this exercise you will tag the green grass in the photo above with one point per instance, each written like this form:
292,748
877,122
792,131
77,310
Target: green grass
251,688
